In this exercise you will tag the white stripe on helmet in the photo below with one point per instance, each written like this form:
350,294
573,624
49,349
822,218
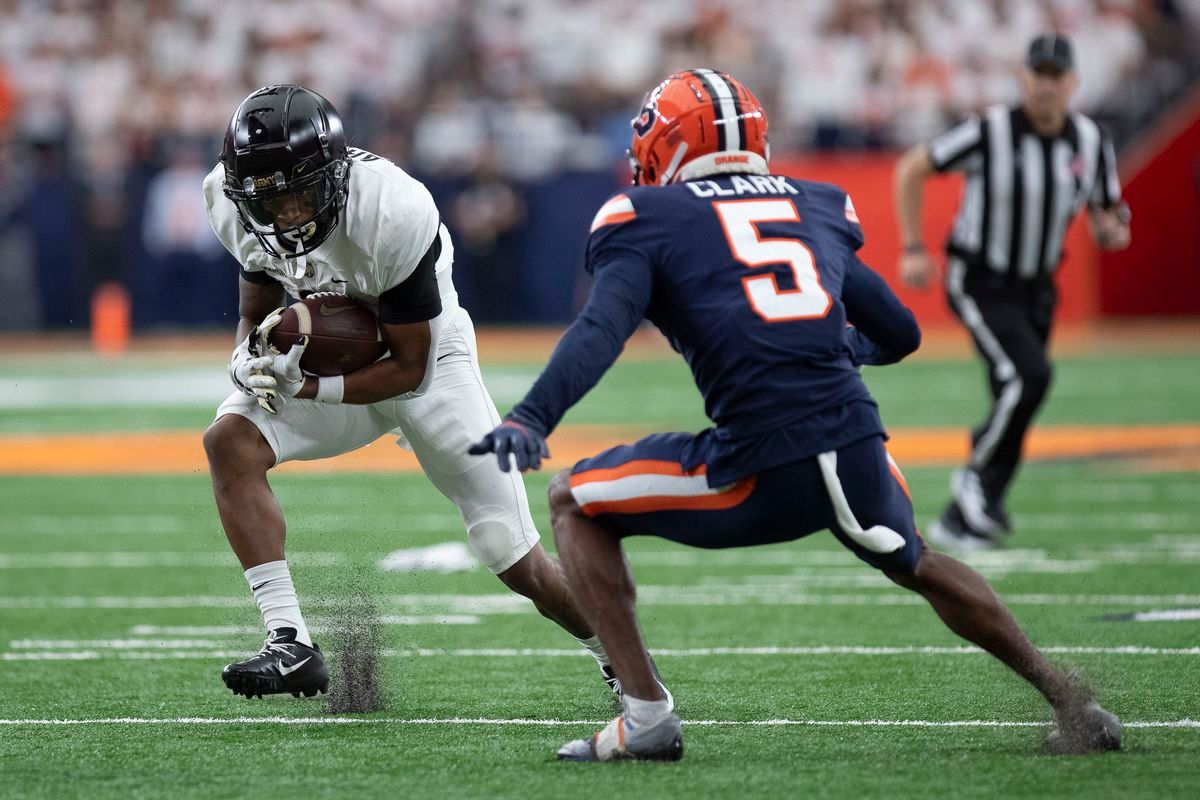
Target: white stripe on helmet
725,102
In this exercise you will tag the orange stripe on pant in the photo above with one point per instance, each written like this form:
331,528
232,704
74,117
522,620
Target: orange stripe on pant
897,474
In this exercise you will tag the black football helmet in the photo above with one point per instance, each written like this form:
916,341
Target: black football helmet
286,168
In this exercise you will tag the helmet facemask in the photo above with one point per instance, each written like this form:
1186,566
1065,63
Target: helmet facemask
291,220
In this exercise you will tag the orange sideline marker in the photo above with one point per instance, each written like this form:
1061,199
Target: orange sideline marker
110,319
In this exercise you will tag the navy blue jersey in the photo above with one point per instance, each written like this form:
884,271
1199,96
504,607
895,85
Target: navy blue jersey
753,280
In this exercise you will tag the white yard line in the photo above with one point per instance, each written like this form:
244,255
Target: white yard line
1111,521
96,524
142,559
1175,615
25,525
183,649
201,386
159,524
1182,724
817,568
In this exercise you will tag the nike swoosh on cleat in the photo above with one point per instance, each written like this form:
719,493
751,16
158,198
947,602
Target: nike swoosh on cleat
289,670
327,311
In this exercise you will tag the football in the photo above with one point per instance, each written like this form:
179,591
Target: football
343,334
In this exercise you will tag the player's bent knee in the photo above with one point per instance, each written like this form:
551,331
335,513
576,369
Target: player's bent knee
233,439
498,542
490,541
561,499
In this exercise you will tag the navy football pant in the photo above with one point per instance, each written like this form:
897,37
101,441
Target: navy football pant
856,492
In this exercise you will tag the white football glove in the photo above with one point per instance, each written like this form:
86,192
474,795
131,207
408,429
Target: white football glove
246,362
253,355
281,377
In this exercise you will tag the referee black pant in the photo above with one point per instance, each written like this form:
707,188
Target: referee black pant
1009,321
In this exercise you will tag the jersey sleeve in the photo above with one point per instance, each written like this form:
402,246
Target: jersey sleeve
1107,191
408,223
884,330
416,298
221,214
616,230
950,150
616,306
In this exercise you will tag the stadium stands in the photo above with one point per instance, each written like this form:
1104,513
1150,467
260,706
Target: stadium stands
110,109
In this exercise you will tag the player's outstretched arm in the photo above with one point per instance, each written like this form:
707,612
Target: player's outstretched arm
884,331
615,308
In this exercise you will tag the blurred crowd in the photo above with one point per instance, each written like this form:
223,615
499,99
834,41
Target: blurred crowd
541,84
106,93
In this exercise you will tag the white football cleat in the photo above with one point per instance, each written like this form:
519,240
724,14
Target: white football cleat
620,741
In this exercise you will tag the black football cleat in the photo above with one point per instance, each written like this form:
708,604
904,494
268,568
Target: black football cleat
283,665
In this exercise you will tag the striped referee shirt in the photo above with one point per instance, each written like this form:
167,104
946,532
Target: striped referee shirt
1023,189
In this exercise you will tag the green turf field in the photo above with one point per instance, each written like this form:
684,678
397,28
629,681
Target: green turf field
800,671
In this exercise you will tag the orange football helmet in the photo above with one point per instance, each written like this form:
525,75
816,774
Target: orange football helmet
698,122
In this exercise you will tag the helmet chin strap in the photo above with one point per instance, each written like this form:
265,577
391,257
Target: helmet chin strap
301,266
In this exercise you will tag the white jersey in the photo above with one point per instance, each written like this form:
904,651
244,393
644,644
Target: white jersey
388,224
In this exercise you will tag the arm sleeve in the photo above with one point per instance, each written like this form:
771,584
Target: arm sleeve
884,330
951,149
1107,193
616,306
416,298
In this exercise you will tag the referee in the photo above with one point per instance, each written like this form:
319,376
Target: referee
1029,170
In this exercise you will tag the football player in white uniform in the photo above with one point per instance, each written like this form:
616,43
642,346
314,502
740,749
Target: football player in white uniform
304,214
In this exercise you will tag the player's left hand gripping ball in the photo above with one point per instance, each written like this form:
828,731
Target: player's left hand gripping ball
253,354
282,378
527,446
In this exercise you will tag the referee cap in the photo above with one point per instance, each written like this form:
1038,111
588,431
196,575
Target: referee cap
1050,51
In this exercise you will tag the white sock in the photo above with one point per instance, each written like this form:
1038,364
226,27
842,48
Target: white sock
646,712
272,586
594,647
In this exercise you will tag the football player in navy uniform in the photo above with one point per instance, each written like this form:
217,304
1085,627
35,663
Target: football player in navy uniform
303,214
755,280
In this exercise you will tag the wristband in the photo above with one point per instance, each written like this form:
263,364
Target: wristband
914,247
329,390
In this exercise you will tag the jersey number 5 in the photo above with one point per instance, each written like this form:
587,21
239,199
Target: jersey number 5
740,219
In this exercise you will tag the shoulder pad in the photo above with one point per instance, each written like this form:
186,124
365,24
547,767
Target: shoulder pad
617,210
851,213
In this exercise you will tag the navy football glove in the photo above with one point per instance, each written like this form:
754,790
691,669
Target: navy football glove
513,438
